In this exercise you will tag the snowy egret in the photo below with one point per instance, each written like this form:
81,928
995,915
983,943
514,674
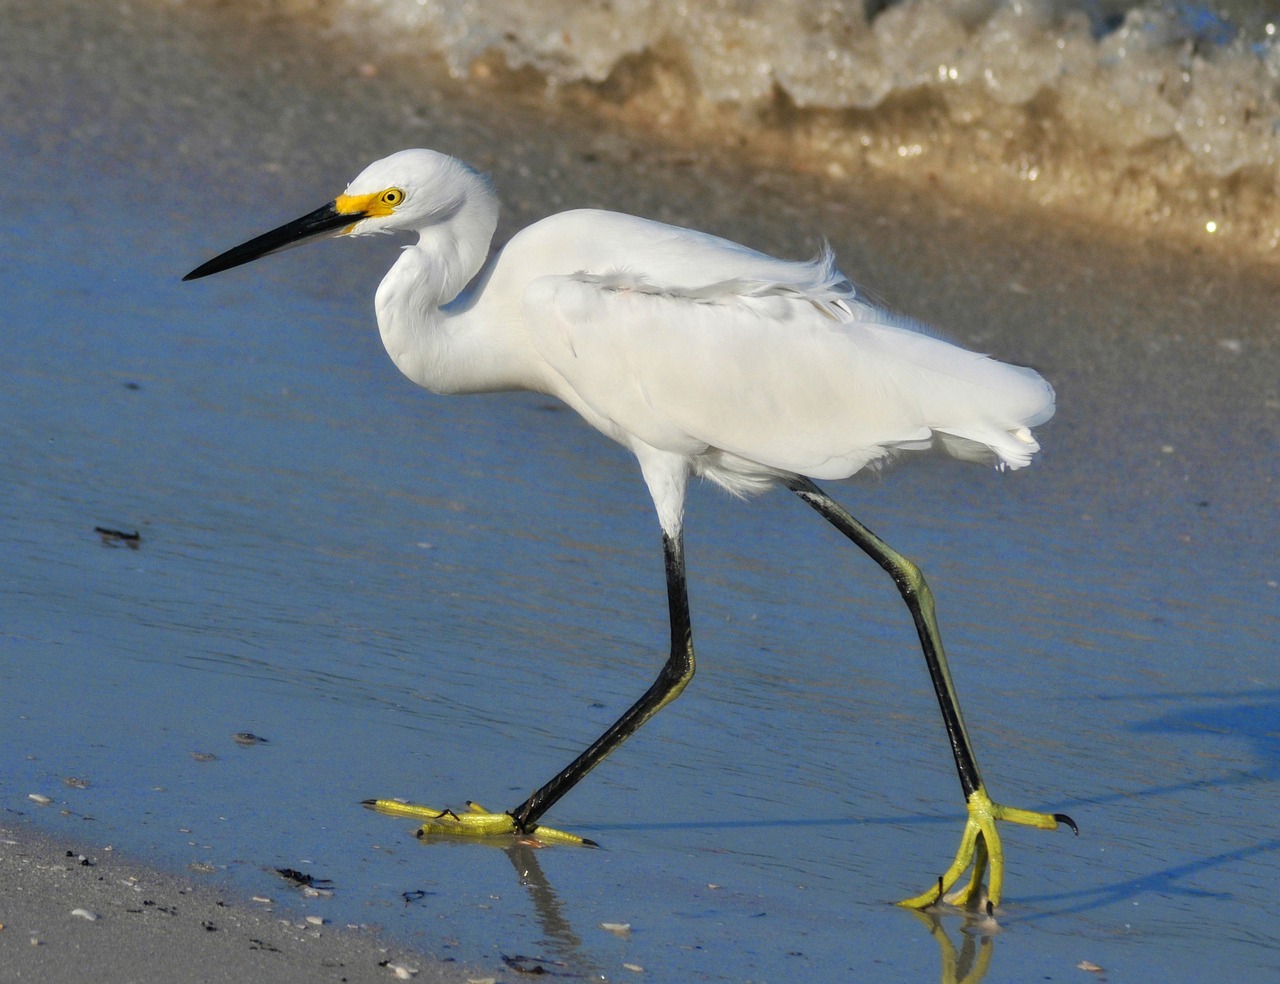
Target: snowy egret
704,358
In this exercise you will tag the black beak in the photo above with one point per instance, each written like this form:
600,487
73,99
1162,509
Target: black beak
320,224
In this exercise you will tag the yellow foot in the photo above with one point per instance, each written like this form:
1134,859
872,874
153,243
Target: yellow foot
980,847
475,822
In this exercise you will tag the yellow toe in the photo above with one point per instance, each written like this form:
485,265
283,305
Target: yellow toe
981,850
474,822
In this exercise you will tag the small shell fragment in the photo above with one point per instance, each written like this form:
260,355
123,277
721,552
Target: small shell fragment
634,968
617,929
402,971
308,892
86,914
316,920
1090,966
40,798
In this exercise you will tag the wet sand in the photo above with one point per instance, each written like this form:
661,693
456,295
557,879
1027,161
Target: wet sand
1159,480
80,913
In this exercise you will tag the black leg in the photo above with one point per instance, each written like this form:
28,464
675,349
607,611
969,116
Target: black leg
980,844
915,592
675,675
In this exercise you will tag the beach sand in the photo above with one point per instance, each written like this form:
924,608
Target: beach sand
80,913
205,128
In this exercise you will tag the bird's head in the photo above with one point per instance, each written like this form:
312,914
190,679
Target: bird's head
411,190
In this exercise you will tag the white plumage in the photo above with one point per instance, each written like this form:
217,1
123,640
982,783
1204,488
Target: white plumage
700,355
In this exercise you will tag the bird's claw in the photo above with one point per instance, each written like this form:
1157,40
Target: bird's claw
476,822
980,848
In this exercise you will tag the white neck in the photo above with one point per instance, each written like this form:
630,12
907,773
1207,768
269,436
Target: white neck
430,339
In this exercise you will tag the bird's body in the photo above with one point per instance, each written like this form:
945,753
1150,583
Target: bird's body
701,356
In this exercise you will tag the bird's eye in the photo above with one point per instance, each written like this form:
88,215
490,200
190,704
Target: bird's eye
391,197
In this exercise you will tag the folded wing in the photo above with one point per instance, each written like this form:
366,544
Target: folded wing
765,377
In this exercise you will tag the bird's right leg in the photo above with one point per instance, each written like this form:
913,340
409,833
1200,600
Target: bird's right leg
674,677
980,845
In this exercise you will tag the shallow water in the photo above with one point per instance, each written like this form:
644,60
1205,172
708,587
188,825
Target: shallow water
441,599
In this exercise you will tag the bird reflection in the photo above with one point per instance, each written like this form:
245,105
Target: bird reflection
968,965
557,931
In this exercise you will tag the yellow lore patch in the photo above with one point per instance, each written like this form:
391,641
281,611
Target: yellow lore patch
375,205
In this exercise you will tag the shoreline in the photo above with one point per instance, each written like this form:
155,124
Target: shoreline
75,911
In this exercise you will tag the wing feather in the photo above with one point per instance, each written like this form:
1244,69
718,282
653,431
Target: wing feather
758,377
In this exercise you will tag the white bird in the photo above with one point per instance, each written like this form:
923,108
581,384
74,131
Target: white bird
704,358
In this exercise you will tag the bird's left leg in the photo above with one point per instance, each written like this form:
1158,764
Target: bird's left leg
980,843
674,677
